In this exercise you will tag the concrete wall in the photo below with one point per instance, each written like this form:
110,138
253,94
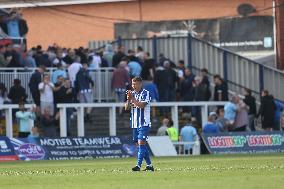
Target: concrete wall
47,25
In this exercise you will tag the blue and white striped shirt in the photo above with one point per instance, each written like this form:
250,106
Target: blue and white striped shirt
140,117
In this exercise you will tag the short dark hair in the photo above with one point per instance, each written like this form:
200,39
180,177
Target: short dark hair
181,62
137,79
248,91
266,92
204,70
217,77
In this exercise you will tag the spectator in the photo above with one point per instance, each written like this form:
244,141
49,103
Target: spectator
29,60
60,71
167,83
108,54
68,93
267,111
46,95
162,131
4,61
33,135
84,86
140,54
172,132
17,93
188,134
148,69
211,127
277,115
58,91
222,122
73,69
3,93
117,57
181,69
70,58
48,123
95,61
231,110
133,64
119,82
241,120
34,82
150,86
221,89
24,118
186,87
205,81
250,102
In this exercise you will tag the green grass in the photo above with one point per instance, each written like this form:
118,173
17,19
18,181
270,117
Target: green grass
228,172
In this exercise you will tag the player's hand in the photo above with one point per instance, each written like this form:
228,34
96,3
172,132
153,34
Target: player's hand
128,95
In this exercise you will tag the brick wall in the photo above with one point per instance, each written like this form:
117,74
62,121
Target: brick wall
48,25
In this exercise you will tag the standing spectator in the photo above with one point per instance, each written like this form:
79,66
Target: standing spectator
167,84
46,95
24,118
231,110
3,93
29,60
181,69
70,57
148,68
222,122
267,111
73,69
221,89
108,54
48,123
241,121
140,54
250,102
4,61
150,86
84,85
34,82
117,57
186,87
188,134
17,93
67,97
211,127
133,65
60,71
205,81
162,131
279,108
58,92
95,61
200,94
172,132
119,82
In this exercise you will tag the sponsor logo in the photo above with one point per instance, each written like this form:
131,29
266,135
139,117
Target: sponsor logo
32,151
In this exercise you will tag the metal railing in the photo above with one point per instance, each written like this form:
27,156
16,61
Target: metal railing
101,77
238,71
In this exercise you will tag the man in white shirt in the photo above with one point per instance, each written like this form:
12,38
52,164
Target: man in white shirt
73,69
46,95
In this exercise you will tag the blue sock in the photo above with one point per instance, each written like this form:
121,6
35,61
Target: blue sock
141,154
147,156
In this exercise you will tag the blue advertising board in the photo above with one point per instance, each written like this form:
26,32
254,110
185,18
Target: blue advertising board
244,142
73,148
7,152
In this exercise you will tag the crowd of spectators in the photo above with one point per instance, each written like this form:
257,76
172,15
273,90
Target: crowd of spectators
70,82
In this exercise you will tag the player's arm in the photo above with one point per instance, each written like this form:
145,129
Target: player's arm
127,105
138,103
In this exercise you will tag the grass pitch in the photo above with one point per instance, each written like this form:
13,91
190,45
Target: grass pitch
220,172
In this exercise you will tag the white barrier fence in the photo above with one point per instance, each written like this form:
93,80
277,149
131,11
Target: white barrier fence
101,77
112,114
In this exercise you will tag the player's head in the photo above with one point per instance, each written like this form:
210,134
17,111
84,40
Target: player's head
137,83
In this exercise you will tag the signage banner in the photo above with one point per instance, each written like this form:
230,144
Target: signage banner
73,148
244,142
7,152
